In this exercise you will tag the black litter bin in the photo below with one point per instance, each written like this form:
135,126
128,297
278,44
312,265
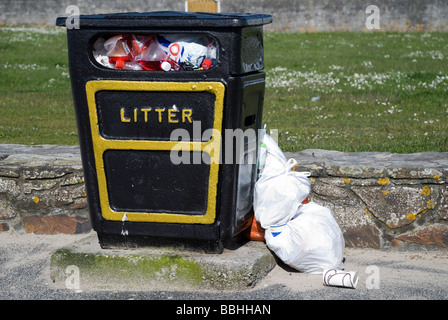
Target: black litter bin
160,137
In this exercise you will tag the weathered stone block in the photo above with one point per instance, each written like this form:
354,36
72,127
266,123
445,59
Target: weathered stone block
432,235
443,207
378,199
159,268
381,199
9,186
10,171
330,190
42,186
6,210
56,224
4,226
38,185
355,222
363,236
396,206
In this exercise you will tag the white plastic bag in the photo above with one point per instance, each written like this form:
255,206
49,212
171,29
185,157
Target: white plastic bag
310,242
279,191
277,197
272,161
181,48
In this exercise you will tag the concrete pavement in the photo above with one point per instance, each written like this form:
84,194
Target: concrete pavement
383,275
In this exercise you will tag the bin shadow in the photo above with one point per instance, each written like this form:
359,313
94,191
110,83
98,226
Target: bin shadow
283,265
108,241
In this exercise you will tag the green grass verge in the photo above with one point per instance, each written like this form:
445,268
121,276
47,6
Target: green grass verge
36,104
358,91
372,91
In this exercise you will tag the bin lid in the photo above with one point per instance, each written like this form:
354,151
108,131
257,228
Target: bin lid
170,18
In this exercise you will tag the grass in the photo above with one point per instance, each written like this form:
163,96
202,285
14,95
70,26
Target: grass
36,104
358,91
371,91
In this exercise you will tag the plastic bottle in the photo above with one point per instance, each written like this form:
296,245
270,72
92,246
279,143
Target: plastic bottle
151,57
117,51
210,57
207,64
131,66
139,43
154,58
100,53
165,66
211,51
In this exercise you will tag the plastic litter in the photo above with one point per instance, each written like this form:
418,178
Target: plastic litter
279,191
340,278
154,58
167,52
310,242
278,197
303,234
184,49
255,232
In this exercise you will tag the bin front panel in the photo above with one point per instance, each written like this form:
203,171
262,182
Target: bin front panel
138,180
152,115
137,177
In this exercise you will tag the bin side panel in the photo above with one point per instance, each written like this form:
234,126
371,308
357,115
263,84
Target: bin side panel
247,53
252,53
242,119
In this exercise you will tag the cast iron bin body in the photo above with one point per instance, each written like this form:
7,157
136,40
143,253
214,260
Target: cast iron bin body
133,187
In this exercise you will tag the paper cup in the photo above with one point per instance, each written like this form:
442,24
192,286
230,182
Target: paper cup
340,278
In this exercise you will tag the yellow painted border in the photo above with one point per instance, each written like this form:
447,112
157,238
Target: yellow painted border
100,145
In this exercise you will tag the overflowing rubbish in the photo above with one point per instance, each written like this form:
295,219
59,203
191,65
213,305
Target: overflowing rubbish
303,234
310,242
289,186
340,278
167,52
255,232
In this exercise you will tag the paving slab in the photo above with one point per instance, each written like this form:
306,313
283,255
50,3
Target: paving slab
85,264
392,274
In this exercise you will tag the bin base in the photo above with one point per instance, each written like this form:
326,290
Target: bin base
111,241
163,269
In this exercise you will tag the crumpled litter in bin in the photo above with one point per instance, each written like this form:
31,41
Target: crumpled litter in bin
156,52
303,234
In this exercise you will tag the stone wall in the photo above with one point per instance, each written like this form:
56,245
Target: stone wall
42,189
379,199
382,199
288,15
